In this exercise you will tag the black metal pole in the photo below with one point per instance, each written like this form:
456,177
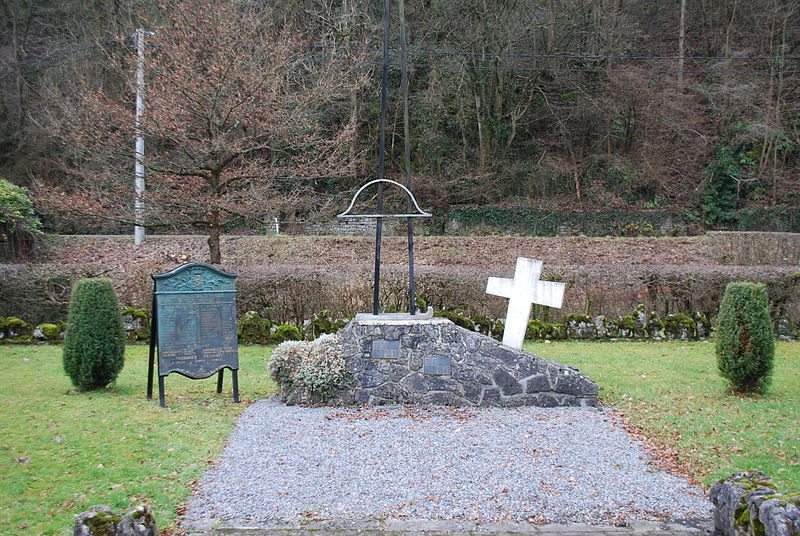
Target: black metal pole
412,299
153,343
381,155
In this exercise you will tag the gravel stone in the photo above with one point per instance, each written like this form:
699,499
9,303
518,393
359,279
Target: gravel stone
554,465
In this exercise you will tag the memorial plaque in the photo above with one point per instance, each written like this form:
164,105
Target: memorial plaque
194,324
437,366
382,349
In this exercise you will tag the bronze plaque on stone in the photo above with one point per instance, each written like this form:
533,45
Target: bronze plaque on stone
383,349
437,366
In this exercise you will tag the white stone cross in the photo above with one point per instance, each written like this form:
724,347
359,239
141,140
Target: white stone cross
523,291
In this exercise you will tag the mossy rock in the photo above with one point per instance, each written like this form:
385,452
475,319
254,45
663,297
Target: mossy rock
572,317
135,313
679,326
16,328
541,330
326,321
253,329
283,333
457,317
580,326
482,324
47,333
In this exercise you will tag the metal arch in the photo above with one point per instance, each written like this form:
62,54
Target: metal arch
419,214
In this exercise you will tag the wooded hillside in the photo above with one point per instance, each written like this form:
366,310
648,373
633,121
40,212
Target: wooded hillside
270,109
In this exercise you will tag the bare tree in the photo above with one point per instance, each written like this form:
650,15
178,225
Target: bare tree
239,121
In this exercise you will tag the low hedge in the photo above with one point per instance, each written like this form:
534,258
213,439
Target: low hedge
293,295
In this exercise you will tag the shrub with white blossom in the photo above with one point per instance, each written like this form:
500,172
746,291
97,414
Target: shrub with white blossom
317,367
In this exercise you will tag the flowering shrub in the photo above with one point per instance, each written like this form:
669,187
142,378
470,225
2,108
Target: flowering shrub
317,368
285,361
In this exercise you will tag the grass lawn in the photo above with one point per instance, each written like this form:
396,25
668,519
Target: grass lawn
673,392
62,451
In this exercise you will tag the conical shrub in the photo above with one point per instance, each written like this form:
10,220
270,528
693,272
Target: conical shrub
94,344
745,343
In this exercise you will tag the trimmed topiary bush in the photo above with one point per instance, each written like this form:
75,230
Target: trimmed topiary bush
745,344
94,345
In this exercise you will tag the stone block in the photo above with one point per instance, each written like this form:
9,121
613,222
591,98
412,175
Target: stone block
482,377
414,383
99,520
411,341
571,382
472,344
451,337
443,399
779,515
545,400
392,333
388,391
538,384
526,366
506,382
463,374
472,392
491,397
441,383
397,373
503,354
371,378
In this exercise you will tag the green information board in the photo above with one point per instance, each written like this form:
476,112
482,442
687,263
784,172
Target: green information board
194,325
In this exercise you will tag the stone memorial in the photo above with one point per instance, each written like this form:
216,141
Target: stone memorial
194,325
415,358
433,361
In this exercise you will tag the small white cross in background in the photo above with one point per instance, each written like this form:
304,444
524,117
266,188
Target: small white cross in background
523,291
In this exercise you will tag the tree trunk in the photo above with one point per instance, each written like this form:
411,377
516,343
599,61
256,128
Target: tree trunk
214,250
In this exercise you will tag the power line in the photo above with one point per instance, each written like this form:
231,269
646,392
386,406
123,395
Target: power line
556,56
597,69
54,55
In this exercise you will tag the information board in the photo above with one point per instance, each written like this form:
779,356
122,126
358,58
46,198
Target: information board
194,324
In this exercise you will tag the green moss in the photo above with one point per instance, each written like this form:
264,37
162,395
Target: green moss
51,332
3,323
678,323
741,516
16,327
253,329
135,313
285,332
326,321
457,317
577,318
103,524
627,322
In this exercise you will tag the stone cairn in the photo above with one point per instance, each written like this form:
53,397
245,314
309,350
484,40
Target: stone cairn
433,361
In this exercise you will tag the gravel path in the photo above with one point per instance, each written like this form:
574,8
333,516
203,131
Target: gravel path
561,465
